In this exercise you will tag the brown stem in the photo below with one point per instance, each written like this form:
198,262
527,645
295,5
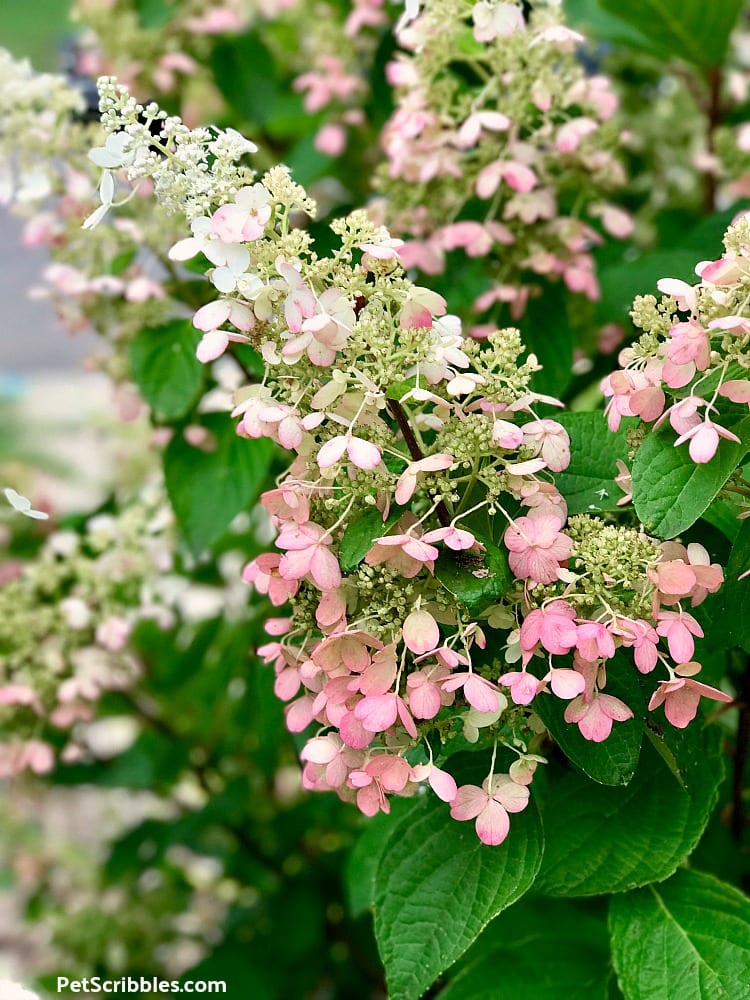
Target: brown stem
740,756
714,113
415,451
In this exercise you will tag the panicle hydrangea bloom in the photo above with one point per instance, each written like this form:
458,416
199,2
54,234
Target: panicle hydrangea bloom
65,620
409,446
691,366
498,147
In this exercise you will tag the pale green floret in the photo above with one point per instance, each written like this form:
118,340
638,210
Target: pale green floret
654,317
737,237
384,597
613,559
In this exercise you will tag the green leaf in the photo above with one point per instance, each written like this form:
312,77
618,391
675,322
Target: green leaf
670,491
360,535
625,271
734,628
207,489
437,887
546,949
475,581
364,858
547,333
588,484
692,30
165,368
398,390
602,839
614,761
154,13
244,72
688,937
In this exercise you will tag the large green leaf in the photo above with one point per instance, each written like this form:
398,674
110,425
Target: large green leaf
437,887
539,949
548,334
244,72
588,483
614,761
693,30
476,582
364,858
207,489
670,491
732,628
165,369
601,839
688,937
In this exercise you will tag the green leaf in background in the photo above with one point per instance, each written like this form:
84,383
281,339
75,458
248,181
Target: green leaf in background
547,333
475,581
588,484
688,937
692,30
364,858
670,492
614,761
165,369
437,887
207,489
601,839
360,534
730,625
155,13
245,74
625,271
539,949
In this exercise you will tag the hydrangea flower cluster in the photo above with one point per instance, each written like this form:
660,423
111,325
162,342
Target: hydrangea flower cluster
112,279
418,458
690,367
500,138
65,620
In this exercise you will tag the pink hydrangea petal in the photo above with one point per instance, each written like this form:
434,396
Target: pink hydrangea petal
567,683
442,784
492,824
468,802
377,712
324,568
681,706
331,452
364,454
421,632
